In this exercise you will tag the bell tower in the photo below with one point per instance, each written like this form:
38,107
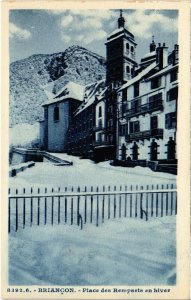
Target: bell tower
120,53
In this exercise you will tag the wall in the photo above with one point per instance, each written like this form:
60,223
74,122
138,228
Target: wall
57,129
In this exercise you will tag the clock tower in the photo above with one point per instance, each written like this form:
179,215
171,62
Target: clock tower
120,54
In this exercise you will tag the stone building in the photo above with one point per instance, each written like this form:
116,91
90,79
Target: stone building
130,117
58,111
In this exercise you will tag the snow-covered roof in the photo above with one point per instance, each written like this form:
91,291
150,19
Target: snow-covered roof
70,90
115,32
91,90
139,76
149,54
163,71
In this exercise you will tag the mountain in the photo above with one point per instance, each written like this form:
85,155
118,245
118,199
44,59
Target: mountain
30,76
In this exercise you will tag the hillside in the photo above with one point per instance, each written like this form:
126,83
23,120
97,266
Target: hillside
29,76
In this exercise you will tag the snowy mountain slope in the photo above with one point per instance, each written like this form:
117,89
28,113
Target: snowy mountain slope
29,76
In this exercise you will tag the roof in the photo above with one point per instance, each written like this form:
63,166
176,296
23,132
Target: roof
91,90
163,71
118,33
139,76
69,90
115,32
149,54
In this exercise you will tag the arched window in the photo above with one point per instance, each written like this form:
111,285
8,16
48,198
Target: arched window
132,71
127,69
127,46
56,114
132,49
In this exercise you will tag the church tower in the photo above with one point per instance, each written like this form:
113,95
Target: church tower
120,54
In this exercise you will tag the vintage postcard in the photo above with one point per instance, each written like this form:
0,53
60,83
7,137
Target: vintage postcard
95,149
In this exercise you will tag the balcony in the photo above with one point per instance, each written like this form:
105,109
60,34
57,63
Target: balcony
152,133
103,143
145,108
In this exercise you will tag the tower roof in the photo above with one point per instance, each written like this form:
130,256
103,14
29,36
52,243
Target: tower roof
121,20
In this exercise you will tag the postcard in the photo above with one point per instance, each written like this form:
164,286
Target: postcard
95,149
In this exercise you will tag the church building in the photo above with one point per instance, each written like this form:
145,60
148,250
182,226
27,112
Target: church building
129,118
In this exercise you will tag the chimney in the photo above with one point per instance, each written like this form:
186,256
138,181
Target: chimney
162,56
176,54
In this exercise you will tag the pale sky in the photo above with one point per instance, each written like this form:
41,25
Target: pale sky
51,31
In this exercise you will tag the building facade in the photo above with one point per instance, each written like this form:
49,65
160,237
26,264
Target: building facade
130,117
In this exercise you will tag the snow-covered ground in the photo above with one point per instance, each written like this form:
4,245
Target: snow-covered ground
124,251
24,135
85,172
121,252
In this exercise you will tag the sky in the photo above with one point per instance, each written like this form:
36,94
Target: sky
51,31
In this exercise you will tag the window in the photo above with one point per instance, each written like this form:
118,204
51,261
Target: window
123,129
99,123
173,75
127,69
134,127
172,94
155,83
124,95
132,49
155,97
132,71
100,112
154,122
136,89
56,114
135,103
124,107
127,46
170,120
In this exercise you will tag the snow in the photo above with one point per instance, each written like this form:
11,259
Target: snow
24,135
139,76
75,91
119,252
85,172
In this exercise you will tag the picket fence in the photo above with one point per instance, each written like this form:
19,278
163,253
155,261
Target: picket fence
81,206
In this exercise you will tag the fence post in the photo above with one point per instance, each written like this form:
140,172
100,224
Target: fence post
136,202
141,204
171,209
147,203
131,202
52,211
72,209
120,202
157,202
162,201
175,203
109,203
167,201
16,225
31,221
38,215
103,205
45,207
114,202
78,208
97,215
85,210
152,187
9,213
24,209
125,214
91,209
